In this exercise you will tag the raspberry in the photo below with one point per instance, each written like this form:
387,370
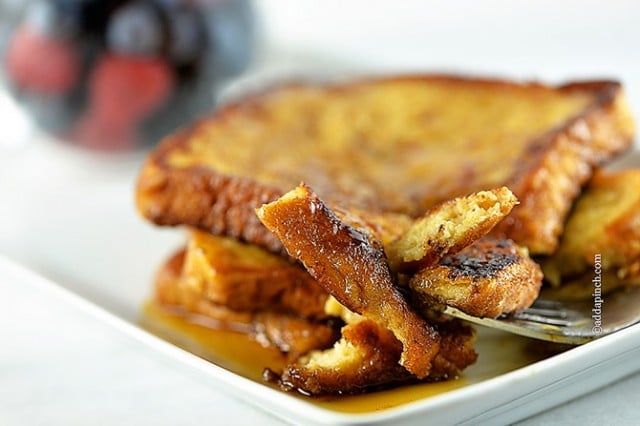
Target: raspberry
124,91
41,64
129,88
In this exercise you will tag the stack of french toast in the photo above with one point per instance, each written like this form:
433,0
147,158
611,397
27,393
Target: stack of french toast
335,221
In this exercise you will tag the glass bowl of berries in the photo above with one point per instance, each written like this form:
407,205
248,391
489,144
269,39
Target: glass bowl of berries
121,74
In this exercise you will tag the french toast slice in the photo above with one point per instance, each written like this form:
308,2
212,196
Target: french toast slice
448,228
351,265
367,357
486,279
395,145
602,229
246,277
292,334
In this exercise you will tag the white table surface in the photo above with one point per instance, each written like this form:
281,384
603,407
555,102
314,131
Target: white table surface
61,366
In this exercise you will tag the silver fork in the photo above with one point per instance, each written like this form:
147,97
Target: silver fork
571,322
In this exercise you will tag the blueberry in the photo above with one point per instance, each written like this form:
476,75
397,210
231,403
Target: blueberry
54,17
187,35
135,29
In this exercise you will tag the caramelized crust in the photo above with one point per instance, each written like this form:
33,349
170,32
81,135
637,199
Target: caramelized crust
448,228
605,222
289,333
244,277
489,278
352,267
367,357
395,145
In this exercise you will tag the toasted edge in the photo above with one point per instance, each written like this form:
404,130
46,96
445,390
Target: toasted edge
561,162
487,279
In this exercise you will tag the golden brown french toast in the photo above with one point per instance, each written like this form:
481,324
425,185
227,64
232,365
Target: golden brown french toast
448,228
367,357
290,333
351,265
603,229
390,145
246,277
489,278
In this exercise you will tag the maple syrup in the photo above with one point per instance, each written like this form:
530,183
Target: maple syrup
499,353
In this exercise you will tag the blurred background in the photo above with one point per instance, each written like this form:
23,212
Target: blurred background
117,75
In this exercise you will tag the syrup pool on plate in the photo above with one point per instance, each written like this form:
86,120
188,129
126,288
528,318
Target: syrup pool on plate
499,353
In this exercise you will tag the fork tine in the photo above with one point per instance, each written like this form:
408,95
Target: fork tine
567,322
536,330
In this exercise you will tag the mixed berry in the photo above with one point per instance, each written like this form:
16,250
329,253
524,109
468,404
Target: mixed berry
113,74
